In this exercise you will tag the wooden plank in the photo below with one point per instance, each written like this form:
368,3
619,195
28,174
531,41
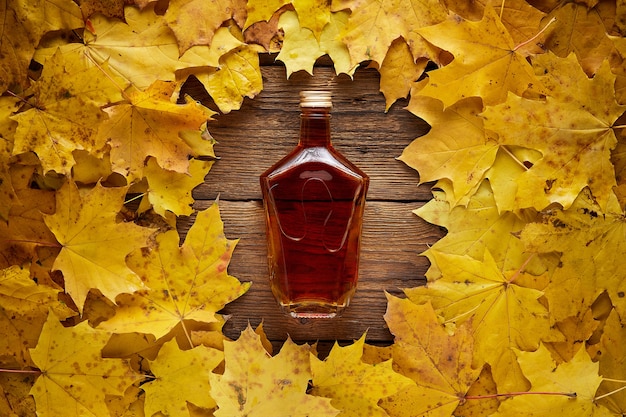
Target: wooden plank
393,238
266,128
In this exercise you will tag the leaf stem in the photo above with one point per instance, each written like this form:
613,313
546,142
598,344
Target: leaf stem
107,75
516,394
521,45
21,371
138,196
620,381
615,391
191,345
515,158
42,244
20,98
521,269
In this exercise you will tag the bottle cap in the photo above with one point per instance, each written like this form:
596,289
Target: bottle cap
320,99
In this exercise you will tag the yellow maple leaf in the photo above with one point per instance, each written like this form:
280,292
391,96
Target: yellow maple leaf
110,8
75,378
23,25
24,232
592,247
80,76
521,19
150,125
94,245
576,331
511,162
504,314
331,42
612,393
479,226
618,68
355,387
225,40
171,190
8,105
141,49
262,10
439,363
301,49
194,22
238,76
24,307
188,371
582,30
373,25
313,15
398,72
575,138
486,63
461,153
188,282
456,148
256,384
569,388
90,169
63,115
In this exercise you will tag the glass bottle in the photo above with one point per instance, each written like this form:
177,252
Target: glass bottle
314,200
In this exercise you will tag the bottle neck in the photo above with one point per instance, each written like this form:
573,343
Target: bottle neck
315,127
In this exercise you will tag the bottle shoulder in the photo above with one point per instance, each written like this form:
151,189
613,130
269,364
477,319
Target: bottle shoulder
301,160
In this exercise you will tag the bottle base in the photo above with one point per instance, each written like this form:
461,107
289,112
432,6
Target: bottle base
313,310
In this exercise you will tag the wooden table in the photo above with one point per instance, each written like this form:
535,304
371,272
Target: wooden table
265,129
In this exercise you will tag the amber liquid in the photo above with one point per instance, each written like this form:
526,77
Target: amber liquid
314,200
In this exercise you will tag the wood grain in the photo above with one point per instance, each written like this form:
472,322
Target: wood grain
251,139
393,238
265,129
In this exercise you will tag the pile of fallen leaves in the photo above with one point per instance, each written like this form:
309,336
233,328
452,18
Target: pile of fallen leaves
103,312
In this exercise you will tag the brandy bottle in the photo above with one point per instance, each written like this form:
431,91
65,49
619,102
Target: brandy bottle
313,201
